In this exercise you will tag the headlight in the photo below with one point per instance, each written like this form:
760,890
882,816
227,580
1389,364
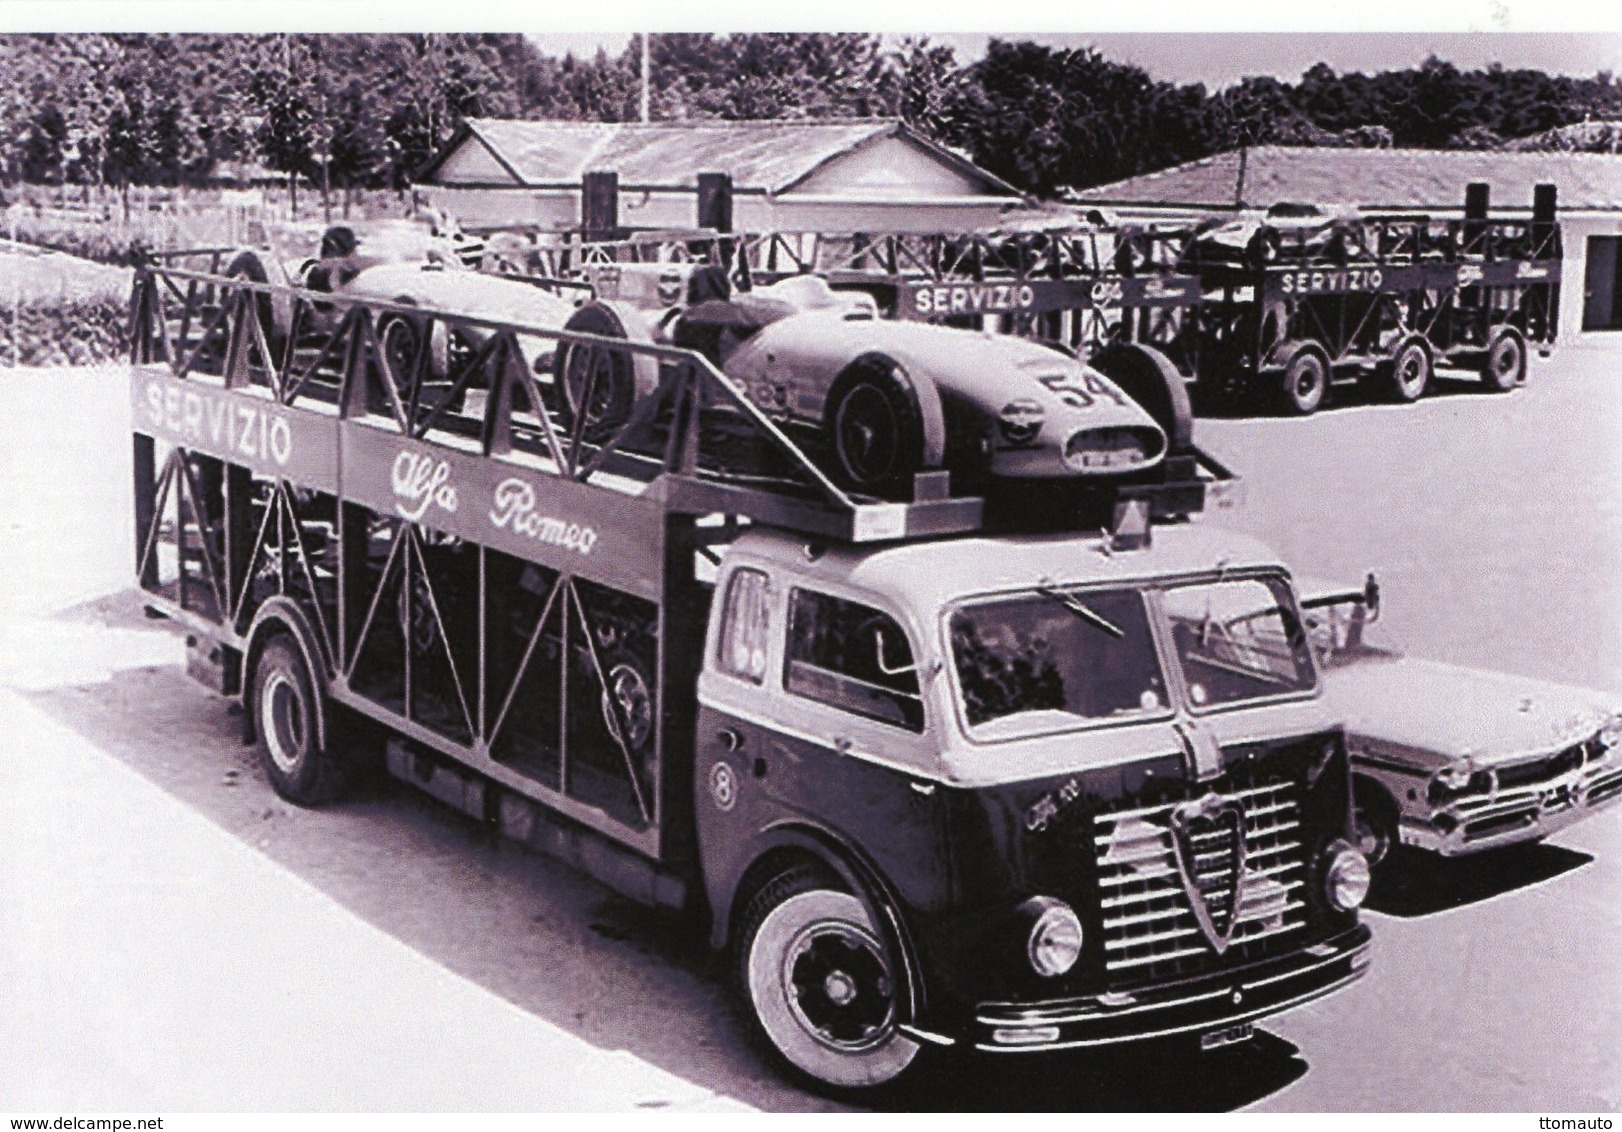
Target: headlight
1456,774
1457,778
1611,733
1346,880
1054,942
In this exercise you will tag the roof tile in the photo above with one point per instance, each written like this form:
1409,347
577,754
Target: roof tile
1372,178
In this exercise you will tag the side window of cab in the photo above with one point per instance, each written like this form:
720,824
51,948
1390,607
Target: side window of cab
745,626
852,657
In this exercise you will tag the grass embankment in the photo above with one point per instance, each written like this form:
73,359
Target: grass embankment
56,309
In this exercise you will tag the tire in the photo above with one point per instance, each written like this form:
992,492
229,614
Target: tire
1149,378
612,375
1374,821
819,983
1409,373
1304,384
247,265
284,706
399,338
875,429
630,688
1503,365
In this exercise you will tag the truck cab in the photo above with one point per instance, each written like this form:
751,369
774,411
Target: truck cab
1017,793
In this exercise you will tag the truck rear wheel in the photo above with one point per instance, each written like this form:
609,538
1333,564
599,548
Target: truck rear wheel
820,983
1304,384
1503,366
285,728
1409,372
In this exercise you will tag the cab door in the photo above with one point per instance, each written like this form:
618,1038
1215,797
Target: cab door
812,718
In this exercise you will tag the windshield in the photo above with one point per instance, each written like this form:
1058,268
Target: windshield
1051,659
1238,639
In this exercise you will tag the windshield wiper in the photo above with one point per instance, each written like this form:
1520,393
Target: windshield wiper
1082,610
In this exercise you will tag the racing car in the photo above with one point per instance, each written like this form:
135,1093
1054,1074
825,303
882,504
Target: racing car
1452,759
404,268
880,400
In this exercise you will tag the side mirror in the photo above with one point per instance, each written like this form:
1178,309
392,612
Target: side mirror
1371,596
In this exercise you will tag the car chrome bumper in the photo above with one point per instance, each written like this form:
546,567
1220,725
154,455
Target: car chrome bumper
1512,816
1208,1002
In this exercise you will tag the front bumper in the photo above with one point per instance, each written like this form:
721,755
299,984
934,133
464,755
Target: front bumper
1208,1002
1516,814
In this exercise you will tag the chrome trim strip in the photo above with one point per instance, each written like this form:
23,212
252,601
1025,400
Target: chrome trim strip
1206,1024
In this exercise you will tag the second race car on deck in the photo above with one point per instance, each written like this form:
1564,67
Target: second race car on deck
410,270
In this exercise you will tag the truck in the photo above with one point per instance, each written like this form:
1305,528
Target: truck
933,773
1304,298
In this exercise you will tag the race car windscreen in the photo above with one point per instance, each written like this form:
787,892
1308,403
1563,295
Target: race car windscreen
1053,659
1238,639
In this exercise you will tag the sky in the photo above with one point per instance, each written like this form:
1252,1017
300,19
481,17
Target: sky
1216,42
1219,59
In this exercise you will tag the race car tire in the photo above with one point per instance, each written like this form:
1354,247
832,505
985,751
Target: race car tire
876,428
285,732
1304,383
619,377
399,338
1149,378
248,266
1408,373
1503,363
819,983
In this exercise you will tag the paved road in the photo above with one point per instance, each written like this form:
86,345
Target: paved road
193,942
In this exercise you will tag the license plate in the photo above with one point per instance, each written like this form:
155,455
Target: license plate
1243,1032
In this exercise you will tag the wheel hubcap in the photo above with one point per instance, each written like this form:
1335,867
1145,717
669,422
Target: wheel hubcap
839,987
282,718
630,692
867,432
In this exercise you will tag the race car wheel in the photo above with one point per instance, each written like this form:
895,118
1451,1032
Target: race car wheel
1374,821
875,429
285,728
400,338
606,375
1503,366
1409,372
1149,378
820,983
1305,382
249,267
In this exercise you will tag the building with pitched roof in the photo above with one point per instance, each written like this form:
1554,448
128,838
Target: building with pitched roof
1396,181
852,174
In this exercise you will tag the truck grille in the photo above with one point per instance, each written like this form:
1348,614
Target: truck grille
1150,928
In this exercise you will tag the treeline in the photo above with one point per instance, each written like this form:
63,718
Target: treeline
369,110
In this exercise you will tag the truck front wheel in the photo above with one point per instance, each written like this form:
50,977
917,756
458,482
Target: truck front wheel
820,983
285,729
